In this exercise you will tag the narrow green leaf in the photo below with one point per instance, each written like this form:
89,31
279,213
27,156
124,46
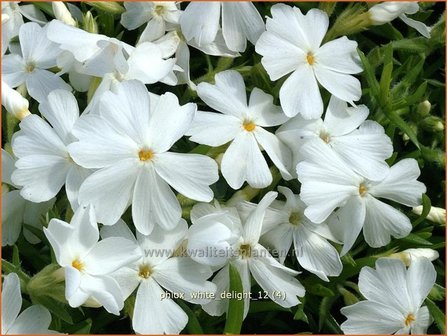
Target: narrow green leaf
45,7
300,315
402,125
235,314
370,76
416,240
426,206
386,77
320,290
15,256
437,315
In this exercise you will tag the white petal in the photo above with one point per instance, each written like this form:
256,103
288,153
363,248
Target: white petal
277,151
12,70
75,177
419,26
58,234
61,110
401,185
36,47
421,277
8,166
153,202
214,129
280,238
316,254
200,21
253,224
343,86
263,111
222,281
423,321
136,14
347,222
339,55
11,301
227,95
341,119
189,174
33,320
42,176
253,168
13,206
175,119
184,275
120,229
41,82
110,190
381,221
274,280
105,290
128,280
367,317
300,94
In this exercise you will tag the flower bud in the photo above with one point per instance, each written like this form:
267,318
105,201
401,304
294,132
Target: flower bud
436,215
62,13
390,10
424,108
90,24
14,102
413,253
111,7
432,124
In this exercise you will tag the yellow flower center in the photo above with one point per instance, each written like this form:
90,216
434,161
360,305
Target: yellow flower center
159,10
295,218
249,126
310,58
362,189
325,136
145,154
30,67
410,318
144,271
245,251
78,264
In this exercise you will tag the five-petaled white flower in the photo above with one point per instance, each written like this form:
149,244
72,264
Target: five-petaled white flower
394,297
327,183
285,223
88,263
128,141
43,164
33,320
157,269
292,44
38,54
244,125
361,143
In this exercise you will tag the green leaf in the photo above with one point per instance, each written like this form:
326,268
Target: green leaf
437,293
370,76
426,206
45,7
385,79
193,325
414,239
235,314
437,315
416,45
320,290
403,126
300,315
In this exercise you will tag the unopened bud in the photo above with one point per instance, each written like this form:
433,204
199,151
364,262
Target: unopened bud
62,13
424,108
14,102
108,7
436,215
90,24
432,124
413,253
389,10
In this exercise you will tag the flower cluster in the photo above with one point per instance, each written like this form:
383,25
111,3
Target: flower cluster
143,182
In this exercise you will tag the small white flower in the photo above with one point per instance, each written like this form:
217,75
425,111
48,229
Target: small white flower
128,141
44,164
361,143
224,239
33,320
241,21
14,102
285,223
436,214
292,44
243,125
157,269
394,297
389,10
16,210
88,263
38,54
327,183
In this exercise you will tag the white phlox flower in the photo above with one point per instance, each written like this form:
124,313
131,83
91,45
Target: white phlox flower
243,125
128,141
44,164
14,14
436,214
285,223
361,143
16,210
327,183
394,298
387,11
88,262
292,44
240,22
222,233
157,271
35,319
30,66
14,102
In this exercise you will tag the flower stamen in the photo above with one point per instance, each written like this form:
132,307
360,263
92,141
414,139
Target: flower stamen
409,319
145,271
78,264
363,189
249,126
310,58
245,251
145,155
295,218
